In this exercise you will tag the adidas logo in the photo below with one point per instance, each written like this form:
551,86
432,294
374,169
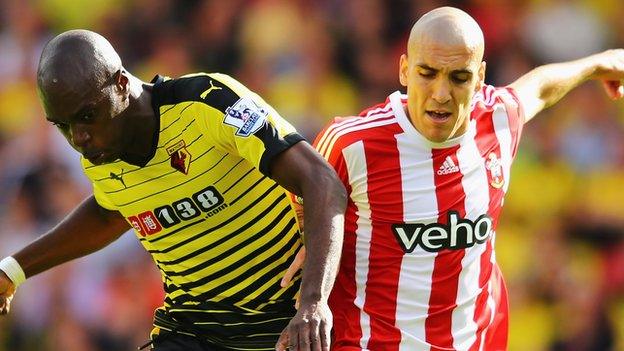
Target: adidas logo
448,166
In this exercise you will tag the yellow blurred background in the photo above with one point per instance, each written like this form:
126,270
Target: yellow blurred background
560,241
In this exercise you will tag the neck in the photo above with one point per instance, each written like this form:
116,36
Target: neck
142,124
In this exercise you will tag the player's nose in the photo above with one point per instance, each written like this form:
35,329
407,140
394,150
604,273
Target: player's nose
80,137
441,91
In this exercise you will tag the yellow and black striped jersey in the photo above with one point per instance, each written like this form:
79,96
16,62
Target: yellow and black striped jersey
221,231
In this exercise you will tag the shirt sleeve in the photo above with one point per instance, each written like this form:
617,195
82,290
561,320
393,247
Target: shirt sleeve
515,115
329,144
244,124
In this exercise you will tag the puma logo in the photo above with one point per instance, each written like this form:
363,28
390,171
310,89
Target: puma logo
212,87
118,177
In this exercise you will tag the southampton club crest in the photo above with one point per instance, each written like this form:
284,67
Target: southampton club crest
180,158
494,165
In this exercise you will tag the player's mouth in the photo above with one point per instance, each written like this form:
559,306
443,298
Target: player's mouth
439,116
95,157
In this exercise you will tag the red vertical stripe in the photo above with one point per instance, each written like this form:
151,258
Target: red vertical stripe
447,266
386,203
487,143
496,335
346,314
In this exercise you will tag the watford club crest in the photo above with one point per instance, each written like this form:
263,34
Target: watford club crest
180,157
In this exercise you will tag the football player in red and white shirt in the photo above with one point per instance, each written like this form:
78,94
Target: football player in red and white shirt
426,175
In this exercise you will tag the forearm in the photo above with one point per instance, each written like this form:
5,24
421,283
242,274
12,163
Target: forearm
304,172
544,86
324,231
87,229
558,79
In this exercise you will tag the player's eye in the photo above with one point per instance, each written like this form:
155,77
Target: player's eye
460,79
86,117
427,74
60,125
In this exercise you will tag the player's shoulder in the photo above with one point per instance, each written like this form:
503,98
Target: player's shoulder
370,123
491,97
217,90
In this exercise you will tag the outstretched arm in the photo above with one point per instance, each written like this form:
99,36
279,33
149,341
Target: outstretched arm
87,229
301,170
543,86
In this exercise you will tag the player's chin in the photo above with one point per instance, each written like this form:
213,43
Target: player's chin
103,158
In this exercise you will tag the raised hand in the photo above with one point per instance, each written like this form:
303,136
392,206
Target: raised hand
611,71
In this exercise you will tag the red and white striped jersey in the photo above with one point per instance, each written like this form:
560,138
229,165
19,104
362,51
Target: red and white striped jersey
418,269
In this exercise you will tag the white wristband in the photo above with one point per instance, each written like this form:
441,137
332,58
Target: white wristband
13,270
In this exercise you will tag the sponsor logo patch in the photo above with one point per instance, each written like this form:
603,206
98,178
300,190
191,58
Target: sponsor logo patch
458,234
207,202
145,223
448,167
246,116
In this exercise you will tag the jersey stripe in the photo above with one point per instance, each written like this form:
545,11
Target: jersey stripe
496,335
447,265
473,182
382,284
419,202
363,234
492,129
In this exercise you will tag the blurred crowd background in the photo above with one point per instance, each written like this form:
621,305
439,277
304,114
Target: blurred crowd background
560,241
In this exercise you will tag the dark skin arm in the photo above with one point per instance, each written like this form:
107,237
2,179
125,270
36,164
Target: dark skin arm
302,171
87,229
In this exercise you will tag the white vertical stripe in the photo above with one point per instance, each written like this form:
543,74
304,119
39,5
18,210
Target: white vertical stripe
476,189
419,206
492,297
492,306
491,302
358,179
503,134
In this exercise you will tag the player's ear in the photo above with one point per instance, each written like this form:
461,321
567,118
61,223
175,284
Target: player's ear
121,81
480,77
403,66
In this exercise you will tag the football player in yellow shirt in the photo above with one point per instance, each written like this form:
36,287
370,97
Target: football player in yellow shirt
198,166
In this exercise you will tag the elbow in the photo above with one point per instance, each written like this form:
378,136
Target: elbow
335,188
326,184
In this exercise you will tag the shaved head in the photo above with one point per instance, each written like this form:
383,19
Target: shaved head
442,70
78,58
447,25
85,93
101,109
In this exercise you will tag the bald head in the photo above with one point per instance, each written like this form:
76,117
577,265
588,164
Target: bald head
442,70
450,26
78,58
